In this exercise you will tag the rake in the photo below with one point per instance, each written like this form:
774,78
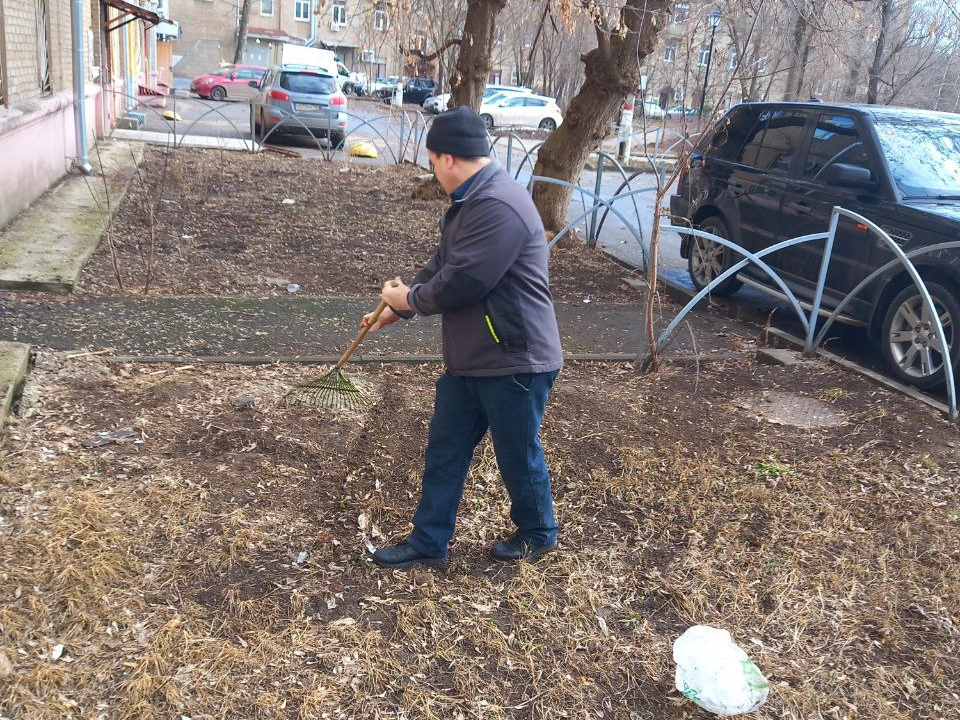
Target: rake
334,390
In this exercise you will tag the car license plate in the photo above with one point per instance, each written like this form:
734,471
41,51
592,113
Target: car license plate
305,107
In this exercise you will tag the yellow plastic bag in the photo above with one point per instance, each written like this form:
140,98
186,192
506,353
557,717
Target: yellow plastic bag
363,149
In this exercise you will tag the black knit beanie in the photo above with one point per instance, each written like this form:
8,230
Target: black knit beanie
459,132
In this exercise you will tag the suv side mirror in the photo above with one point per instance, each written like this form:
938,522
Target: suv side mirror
254,83
850,176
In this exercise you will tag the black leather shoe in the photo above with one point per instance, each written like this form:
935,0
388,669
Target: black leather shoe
516,548
404,555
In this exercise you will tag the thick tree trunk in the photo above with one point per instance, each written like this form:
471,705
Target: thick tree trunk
612,72
476,50
242,32
800,43
873,85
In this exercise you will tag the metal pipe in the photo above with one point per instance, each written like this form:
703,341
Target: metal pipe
79,102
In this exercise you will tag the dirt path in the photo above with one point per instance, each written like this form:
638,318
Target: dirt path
214,562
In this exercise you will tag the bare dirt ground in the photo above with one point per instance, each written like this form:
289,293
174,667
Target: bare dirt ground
213,564
211,223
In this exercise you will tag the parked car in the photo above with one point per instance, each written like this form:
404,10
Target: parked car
767,172
652,109
438,103
679,111
300,101
231,82
418,89
356,84
521,110
383,87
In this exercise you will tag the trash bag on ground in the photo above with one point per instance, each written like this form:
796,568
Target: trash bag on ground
363,149
716,673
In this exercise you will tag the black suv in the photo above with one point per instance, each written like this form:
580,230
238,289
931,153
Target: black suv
767,172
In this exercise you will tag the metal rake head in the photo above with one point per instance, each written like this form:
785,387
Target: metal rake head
333,391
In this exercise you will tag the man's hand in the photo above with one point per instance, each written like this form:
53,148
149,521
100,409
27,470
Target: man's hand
395,294
387,317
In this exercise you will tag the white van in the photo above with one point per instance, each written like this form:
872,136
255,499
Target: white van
310,57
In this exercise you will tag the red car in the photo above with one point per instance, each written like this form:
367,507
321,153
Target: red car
231,82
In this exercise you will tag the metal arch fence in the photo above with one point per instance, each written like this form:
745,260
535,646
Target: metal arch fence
599,202
809,321
410,135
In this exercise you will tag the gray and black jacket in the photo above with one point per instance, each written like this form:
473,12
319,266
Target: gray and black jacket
489,282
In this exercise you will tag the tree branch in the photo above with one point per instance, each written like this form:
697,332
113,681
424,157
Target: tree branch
434,55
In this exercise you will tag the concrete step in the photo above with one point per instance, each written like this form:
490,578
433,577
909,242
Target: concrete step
14,361
47,245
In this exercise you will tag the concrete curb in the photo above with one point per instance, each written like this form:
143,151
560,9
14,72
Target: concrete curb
876,377
196,141
14,363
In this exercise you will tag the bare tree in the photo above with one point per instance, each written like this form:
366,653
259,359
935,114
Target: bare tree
624,39
476,51
242,33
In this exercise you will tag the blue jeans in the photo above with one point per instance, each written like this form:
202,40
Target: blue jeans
511,406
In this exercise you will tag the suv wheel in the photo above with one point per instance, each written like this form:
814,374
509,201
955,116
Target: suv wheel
708,259
909,341
335,140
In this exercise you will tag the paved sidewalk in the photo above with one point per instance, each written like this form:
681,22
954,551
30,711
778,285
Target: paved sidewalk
287,327
46,246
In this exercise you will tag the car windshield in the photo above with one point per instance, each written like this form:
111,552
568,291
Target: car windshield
924,156
224,71
308,83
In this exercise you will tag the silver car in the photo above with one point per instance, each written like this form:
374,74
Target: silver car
300,100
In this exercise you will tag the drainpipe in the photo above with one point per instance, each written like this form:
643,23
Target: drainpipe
79,102
314,26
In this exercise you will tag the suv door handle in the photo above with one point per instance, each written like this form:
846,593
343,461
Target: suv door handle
801,208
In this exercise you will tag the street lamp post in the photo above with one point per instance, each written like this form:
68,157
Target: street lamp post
714,18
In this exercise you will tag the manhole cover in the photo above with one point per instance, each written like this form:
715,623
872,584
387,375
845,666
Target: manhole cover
781,408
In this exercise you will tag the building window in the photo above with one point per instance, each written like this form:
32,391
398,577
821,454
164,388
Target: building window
762,65
381,20
704,57
681,12
678,94
301,9
43,48
339,11
495,77
266,7
670,48
498,35
733,58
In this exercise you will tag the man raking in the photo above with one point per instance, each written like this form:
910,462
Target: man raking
488,281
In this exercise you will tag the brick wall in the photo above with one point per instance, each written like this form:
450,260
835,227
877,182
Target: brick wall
21,72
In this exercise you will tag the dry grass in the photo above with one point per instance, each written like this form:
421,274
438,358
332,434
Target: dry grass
168,569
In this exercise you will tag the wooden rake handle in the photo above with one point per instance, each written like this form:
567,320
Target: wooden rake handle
364,330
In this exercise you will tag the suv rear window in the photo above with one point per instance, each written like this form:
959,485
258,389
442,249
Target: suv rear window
308,83
735,135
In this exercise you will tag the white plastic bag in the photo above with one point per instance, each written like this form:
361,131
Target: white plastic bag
716,673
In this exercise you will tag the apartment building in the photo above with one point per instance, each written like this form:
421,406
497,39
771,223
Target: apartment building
360,32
